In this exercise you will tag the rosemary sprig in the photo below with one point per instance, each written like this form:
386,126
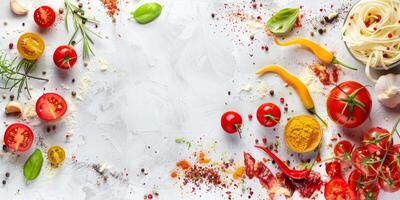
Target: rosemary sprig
12,77
79,23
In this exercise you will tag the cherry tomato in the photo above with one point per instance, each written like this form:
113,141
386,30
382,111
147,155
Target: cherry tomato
30,46
50,106
337,188
368,193
390,182
377,140
349,104
18,137
231,122
333,169
268,114
44,16
393,158
343,149
358,181
366,162
56,155
65,57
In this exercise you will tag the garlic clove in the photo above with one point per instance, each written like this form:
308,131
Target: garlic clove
387,90
17,8
13,107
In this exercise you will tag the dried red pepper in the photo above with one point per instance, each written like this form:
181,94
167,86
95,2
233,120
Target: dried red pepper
292,173
249,163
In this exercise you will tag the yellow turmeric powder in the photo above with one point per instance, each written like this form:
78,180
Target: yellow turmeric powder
302,133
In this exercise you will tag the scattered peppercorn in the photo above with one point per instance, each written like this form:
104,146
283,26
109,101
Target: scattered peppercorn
11,45
73,93
251,37
320,31
61,10
7,174
11,97
4,182
212,15
4,148
271,92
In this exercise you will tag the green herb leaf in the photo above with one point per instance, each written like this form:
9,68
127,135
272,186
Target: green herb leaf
179,140
33,165
147,13
283,21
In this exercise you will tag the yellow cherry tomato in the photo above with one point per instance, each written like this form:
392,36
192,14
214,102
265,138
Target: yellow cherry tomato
56,155
30,46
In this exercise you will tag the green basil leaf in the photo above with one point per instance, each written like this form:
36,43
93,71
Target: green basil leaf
33,165
147,13
283,21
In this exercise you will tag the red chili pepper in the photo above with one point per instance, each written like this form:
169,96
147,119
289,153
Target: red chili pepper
292,173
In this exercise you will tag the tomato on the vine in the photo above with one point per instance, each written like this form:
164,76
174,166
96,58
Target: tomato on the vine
343,149
65,57
366,162
30,46
368,193
18,137
358,181
393,158
333,169
377,140
44,16
337,188
349,104
231,122
390,182
268,114
56,155
50,106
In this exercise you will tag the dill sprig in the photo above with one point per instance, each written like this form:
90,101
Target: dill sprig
79,21
16,75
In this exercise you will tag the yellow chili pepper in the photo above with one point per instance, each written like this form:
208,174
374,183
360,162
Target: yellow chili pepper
324,55
299,86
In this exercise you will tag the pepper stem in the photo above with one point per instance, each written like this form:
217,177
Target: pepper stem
312,111
336,61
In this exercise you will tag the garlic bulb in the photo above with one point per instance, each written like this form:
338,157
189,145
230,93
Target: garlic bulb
387,89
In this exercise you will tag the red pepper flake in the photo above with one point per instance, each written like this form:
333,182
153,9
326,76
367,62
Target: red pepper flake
390,35
111,6
183,164
375,28
264,140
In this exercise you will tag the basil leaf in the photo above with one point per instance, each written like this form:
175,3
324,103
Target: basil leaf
33,165
147,13
283,21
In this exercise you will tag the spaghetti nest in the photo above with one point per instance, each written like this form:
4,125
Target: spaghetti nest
372,33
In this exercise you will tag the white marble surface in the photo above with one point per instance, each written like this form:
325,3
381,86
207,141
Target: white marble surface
166,79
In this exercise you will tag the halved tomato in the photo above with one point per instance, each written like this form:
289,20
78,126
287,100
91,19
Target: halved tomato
337,188
30,46
44,16
50,107
18,137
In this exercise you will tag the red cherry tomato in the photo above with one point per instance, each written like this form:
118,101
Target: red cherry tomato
333,169
377,140
368,193
337,188
18,137
343,149
390,182
231,122
393,158
65,57
349,104
44,16
268,114
50,106
358,181
366,162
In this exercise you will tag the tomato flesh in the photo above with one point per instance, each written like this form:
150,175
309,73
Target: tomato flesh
18,137
343,149
50,107
349,104
30,46
268,114
65,57
44,16
56,155
377,140
333,169
366,162
337,188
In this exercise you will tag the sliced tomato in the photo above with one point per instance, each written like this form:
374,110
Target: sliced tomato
50,107
44,16
377,140
337,188
333,169
18,137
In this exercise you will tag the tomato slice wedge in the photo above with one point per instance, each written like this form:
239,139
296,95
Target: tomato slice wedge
18,137
50,107
337,188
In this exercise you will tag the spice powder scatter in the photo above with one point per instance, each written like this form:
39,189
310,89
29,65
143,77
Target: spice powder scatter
204,173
